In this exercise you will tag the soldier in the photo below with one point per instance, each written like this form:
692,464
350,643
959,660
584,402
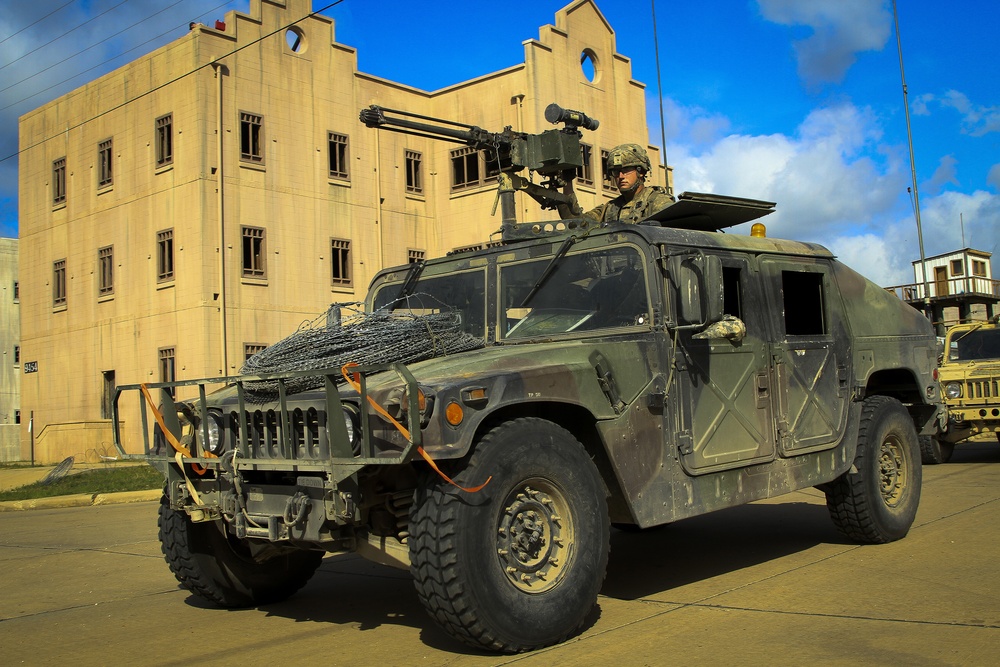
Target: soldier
628,165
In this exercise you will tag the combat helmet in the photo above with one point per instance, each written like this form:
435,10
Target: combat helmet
624,156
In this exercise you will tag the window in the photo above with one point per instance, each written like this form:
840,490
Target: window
250,349
164,140
585,174
107,394
253,252
106,271
957,267
166,355
17,291
414,176
340,254
59,181
104,172
164,255
978,268
802,294
59,283
17,354
251,137
17,416
414,256
339,167
602,289
465,171
608,182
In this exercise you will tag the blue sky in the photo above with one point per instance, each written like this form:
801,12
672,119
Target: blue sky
794,101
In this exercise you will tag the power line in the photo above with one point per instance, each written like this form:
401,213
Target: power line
37,22
173,81
56,39
70,57
102,64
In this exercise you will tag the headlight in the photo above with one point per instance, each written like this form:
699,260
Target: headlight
953,390
214,424
352,421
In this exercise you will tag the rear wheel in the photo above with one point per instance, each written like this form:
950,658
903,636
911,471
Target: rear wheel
876,501
933,451
219,568
517,565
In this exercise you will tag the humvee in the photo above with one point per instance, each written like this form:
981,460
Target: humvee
630,375
970,386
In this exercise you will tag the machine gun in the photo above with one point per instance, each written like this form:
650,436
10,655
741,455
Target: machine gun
554,154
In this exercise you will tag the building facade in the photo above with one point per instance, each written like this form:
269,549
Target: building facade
10,353
188,209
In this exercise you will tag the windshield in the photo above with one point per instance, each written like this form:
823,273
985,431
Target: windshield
461,293
582,292
974,345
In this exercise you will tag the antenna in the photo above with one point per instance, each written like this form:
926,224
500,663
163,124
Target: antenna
913,167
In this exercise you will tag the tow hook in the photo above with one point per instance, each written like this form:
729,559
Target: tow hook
296,509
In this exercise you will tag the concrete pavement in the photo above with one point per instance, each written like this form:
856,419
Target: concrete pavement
767,584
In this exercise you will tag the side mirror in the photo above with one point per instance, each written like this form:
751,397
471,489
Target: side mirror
697,281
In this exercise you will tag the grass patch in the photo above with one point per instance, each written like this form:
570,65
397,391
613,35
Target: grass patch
99,480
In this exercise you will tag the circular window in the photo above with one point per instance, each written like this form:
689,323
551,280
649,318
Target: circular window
590,66
296,40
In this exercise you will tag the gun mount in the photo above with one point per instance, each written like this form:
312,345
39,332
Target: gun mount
554,154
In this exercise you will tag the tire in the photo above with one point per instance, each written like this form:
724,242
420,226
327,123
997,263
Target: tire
219,568
933,451
876,501
478,572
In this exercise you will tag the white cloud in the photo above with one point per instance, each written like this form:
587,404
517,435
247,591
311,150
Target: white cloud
840,30
834,184
993,178
977,120
944,174
824,179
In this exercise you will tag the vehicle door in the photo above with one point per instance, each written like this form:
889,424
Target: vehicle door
724,401
810,354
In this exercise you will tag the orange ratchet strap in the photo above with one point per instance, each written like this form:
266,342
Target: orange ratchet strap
178,447
354,381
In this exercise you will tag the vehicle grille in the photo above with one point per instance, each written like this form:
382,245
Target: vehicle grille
307,438
981,390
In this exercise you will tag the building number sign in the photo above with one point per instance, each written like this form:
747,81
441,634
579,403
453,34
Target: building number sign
31,367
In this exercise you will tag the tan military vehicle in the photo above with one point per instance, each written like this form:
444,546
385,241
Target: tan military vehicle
585,376
970,386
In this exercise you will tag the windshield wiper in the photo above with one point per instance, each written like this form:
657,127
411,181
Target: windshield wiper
549,268
412,276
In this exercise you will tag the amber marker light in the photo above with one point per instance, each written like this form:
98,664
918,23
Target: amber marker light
758,230
454,413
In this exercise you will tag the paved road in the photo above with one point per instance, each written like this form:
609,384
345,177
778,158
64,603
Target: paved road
767,584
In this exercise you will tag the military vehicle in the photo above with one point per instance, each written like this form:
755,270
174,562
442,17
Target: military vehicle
627,375
970,386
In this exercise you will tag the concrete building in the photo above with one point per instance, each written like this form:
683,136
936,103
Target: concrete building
182,212
10,353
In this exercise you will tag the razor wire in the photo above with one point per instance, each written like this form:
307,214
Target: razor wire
346,333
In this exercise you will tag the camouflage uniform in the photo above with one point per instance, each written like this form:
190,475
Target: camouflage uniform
629,208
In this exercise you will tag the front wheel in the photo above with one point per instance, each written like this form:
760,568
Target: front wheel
517,565
876,501
215,566
933,451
